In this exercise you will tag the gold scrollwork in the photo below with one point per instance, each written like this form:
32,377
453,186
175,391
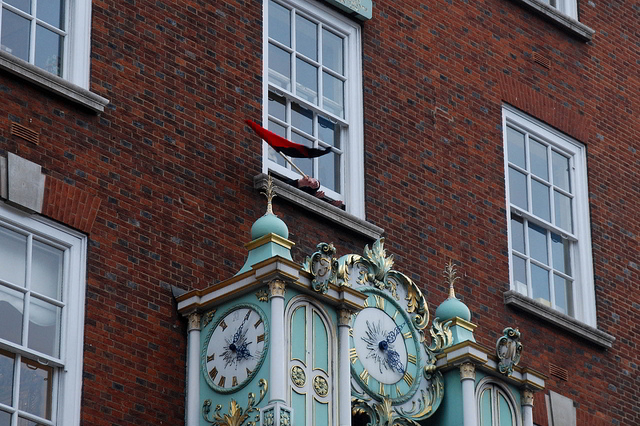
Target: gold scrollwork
236,415
321,386
208,317
262,295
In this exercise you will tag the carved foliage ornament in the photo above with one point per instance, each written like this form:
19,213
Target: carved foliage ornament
508,349
236,415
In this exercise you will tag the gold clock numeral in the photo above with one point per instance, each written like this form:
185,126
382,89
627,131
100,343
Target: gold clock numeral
408,378
223,325
211,357
395,314
364,376
234,381
408,335
379,302
353,356
257,324
249,372
381,392
412,359
350,332
398,391
213,373
222,381
260,338
366,303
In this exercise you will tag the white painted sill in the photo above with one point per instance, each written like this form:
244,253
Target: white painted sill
563,21
52,82
600,338
319,207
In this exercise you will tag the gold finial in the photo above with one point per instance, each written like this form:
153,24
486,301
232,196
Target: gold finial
269,193
450,277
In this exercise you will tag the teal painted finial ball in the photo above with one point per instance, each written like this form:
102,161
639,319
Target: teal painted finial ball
452,308
267,224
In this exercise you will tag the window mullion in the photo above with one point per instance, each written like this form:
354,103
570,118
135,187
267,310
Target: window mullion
27,295
16,388
294,56
32,44
552,290
527,252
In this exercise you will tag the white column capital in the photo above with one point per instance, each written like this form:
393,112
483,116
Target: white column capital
467,371
277,288
344,317
527,397
194,321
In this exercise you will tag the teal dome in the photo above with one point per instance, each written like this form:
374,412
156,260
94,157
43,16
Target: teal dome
267,224
451,308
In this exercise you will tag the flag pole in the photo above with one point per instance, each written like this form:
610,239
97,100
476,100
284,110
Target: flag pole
291,162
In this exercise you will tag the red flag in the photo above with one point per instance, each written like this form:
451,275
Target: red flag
285,146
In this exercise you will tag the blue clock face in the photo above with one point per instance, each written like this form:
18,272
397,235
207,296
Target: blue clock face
384,349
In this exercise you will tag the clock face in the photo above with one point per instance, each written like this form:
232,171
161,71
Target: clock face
384,350
235,348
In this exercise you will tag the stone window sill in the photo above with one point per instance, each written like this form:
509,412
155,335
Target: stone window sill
319,207
600,338
52,82
563,21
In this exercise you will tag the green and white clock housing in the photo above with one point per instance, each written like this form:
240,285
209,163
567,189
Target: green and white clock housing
393,373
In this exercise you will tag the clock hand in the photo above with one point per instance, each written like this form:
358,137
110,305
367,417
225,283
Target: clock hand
238,332
391,337
393,359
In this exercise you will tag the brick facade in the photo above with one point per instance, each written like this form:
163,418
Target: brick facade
162,180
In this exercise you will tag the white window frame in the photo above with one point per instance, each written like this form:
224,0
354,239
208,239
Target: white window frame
496,387
352,137
568,7
582,264
67,369
76,48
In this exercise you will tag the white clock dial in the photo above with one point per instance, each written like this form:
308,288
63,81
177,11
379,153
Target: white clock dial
235,348
380,345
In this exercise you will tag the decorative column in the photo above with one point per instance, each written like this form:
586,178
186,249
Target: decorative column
527,407
468,380
344,370
193,373
277,412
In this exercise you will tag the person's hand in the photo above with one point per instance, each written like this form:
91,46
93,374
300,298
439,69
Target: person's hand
308,181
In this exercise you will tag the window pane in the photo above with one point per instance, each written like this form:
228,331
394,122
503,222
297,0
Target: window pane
561,171
279,23
48,50
563,295
520,274
15,35
329,132
515,146
277,107
302,118
332,51
11,309
306,37
279,67
561,251
540,200
273,155
6,379
538,243
5,418
46,271
540,285
305,164
329,171
485,408
518,189
506,417
44,329
306,81
333,93
35,388
517,234
24,5
13,257
52,12
563,211
539,164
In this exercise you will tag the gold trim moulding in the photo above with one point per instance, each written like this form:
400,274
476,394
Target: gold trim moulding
467,325
270,238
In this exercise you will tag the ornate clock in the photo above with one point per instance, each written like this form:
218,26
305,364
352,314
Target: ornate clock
235,348
393,374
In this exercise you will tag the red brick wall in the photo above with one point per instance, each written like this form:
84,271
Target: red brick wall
171,165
